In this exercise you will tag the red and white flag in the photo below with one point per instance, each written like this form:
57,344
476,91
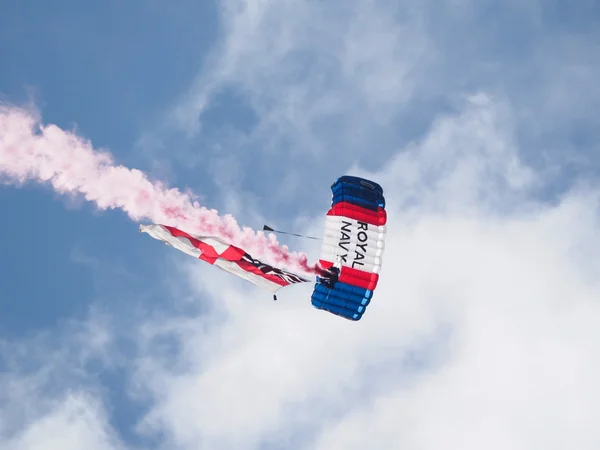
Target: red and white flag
217,252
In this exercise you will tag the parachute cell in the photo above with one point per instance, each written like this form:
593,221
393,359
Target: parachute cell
353,243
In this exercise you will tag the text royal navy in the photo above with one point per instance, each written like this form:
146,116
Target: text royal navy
360,250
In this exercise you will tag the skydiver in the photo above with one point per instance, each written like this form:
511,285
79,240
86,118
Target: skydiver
331,278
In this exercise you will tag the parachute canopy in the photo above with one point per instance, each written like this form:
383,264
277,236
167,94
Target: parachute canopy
353,242
215,251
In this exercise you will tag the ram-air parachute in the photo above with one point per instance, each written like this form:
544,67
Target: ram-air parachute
351,252
353,244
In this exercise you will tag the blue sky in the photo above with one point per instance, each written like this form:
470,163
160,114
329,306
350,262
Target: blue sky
479,118
88,69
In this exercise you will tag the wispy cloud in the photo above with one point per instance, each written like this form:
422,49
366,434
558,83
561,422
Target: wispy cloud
483,329
51,397
482,326
330,84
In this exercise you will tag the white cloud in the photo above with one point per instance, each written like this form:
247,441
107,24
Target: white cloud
309,70
524,345
482,332
333,84
75,423
50,396
483,329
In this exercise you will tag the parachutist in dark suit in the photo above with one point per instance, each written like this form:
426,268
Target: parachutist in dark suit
331,278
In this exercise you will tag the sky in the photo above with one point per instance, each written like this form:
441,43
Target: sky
478,118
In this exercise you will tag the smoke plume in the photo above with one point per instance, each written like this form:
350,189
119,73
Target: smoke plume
32,151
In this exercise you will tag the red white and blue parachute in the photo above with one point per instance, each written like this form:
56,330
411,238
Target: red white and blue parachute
353,243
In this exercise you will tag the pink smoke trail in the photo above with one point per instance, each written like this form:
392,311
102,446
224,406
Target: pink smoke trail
31,151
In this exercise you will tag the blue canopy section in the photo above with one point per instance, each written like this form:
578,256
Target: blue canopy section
343,300
347,299
358,191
